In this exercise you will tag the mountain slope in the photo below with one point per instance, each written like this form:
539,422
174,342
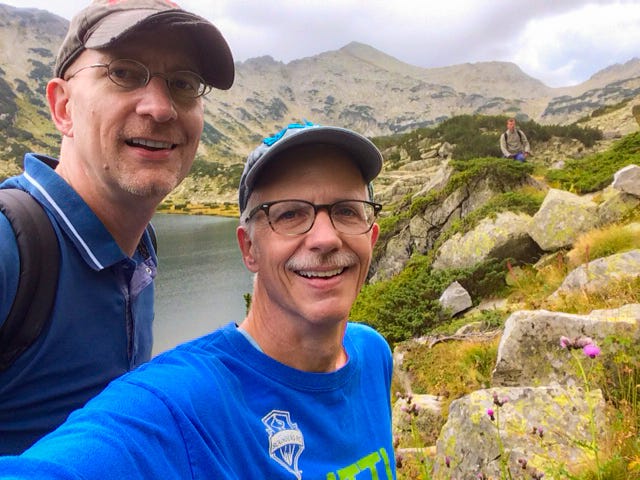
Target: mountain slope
356,86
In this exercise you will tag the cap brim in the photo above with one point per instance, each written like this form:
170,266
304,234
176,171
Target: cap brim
215,58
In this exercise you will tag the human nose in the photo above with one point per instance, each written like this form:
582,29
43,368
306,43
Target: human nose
156,100
323,234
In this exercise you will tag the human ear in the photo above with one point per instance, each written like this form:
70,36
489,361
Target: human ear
375,232
60,105
247,249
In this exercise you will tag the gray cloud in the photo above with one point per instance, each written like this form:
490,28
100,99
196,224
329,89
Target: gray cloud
560,42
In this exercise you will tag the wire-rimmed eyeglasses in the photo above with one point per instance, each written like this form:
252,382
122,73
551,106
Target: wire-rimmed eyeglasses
295,217
131,74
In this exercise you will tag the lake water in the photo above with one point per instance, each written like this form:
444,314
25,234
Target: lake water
201,278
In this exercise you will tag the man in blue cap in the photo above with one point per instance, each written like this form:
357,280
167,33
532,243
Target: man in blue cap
295,390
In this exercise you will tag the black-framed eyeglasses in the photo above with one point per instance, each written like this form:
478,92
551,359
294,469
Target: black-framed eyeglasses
131,74
295,217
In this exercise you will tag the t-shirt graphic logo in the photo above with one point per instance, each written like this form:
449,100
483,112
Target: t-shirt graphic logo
286,441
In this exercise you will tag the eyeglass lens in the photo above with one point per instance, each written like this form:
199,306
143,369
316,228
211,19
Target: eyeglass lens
292,217
131,74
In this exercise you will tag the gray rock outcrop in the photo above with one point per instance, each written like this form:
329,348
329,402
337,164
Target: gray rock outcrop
562,217
505,236
530,353
616,205
455,299
532,426
628,180
599,273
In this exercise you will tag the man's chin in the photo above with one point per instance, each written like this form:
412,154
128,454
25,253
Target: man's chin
156,189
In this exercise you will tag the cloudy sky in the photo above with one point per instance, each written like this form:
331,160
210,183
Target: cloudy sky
560,42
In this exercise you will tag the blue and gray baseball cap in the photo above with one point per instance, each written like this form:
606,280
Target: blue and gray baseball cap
361,149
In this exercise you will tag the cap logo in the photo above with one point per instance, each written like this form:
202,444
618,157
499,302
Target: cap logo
274,138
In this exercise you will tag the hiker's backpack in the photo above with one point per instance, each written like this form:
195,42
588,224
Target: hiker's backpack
519,136
39,268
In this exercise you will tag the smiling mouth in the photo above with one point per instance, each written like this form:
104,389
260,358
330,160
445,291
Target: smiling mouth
315,274
150,144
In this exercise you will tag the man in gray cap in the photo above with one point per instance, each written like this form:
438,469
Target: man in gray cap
127,98
295,390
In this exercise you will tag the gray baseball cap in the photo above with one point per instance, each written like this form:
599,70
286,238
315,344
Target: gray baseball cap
105,22
361,149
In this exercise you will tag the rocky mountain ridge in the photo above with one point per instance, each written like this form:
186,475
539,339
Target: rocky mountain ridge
356,86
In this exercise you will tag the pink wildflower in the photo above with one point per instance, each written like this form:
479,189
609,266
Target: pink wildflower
491,414
591,350
565,342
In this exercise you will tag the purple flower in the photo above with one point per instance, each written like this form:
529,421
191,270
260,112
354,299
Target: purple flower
491,413
447,461
591,350
565,342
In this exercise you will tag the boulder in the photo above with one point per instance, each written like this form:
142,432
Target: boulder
505,236
616,205
562,217
628,180
455,299
598,273
530,353
531,425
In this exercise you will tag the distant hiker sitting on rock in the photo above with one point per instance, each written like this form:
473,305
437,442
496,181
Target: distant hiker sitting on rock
514,143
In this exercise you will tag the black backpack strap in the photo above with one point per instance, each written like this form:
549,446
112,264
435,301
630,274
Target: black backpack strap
39,268
519,135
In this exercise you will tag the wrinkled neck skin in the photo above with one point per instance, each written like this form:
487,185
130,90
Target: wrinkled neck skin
292,340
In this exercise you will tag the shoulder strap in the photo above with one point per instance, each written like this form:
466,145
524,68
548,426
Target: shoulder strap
39,267
154,239
519,135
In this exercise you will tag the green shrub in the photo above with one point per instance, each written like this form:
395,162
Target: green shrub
404,306
596,171
479,135
407,305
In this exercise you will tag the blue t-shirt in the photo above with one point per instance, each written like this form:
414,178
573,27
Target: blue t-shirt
100,326
216,407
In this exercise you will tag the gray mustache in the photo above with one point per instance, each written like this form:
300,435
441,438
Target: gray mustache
327,261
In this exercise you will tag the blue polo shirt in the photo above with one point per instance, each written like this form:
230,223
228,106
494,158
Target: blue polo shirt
101,320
